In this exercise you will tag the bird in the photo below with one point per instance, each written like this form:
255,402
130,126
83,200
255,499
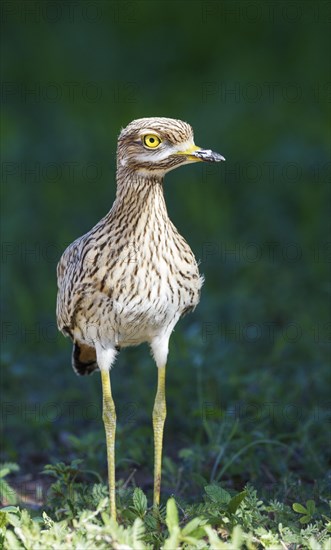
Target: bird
132,276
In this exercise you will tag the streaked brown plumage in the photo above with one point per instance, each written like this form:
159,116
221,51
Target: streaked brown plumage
132,277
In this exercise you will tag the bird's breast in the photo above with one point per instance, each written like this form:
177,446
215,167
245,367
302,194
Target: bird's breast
128,284
140,295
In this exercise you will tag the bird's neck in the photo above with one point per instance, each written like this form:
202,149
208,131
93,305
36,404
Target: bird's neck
139,191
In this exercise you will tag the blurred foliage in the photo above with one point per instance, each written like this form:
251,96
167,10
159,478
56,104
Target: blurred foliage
248,371
221,520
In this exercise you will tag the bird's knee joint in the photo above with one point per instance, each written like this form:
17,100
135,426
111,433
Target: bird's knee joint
159,413
109,417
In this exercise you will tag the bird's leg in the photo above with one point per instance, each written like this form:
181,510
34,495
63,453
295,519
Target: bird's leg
159,416
109,420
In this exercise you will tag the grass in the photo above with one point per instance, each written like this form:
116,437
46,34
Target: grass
77,516
246,453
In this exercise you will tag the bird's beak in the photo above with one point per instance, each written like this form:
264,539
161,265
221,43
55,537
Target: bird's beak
195,153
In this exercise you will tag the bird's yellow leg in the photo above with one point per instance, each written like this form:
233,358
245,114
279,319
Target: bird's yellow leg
109,420
159,416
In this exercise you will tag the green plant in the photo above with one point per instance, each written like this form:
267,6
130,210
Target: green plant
307,512
220,520
7,493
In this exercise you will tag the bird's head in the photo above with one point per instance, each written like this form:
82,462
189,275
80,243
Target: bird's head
156,145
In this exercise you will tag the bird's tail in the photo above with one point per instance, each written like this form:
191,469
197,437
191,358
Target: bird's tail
84,359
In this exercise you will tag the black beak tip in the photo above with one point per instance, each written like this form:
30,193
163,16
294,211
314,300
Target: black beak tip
209,156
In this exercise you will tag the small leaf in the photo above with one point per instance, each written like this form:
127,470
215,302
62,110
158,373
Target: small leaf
299,508
236,501
7,467
217,494
3,519
311,507
47,520
7,492
191,526
172,514
237,536
138,531
151,522
305,519
139,501
173,540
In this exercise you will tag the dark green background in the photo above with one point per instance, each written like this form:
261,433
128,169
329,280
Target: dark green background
253,79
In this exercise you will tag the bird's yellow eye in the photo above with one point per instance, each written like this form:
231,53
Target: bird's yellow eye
151,141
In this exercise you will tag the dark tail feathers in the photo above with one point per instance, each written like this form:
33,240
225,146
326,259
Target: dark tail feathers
84,359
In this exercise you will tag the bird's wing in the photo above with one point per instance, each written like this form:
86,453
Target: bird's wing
66,269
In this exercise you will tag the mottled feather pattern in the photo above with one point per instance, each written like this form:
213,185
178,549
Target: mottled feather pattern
132,276
119,288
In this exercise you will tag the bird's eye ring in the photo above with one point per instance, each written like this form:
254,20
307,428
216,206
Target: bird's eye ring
151,141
